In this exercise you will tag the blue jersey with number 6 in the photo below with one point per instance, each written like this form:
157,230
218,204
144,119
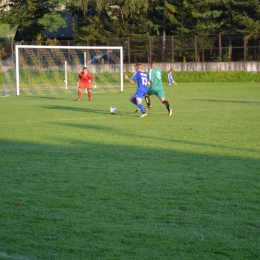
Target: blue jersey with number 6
142,79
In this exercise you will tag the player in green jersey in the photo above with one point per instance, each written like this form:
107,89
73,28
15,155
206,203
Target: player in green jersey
156,88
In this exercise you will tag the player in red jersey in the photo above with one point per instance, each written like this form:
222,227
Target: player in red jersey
84,82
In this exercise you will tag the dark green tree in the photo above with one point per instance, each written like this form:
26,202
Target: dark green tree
208,16
32,17
104,19
92,23
246,15
228,29
178,16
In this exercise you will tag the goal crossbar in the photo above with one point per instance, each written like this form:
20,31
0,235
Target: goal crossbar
17,47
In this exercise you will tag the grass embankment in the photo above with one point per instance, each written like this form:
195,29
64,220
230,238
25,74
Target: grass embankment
35,80
214,76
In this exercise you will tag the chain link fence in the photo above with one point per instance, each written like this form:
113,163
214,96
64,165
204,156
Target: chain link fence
177,48
198,48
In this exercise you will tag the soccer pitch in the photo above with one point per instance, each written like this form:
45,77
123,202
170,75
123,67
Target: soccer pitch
79,183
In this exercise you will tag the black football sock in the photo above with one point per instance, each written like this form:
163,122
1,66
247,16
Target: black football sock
166,104
147,100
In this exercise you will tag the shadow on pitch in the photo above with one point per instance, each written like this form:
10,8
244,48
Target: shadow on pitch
91,110
45,97
78,109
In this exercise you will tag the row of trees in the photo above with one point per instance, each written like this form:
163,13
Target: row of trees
97,20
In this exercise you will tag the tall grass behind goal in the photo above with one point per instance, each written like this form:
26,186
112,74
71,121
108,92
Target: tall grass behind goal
55,69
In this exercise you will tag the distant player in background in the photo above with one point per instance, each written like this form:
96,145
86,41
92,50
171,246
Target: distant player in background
84,82
156,88
142,80
170,78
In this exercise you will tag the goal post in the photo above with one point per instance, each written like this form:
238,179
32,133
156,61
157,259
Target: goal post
52,68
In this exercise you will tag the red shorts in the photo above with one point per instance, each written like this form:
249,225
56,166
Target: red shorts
84,85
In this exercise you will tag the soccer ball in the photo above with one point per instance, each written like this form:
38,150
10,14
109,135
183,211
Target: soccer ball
112,110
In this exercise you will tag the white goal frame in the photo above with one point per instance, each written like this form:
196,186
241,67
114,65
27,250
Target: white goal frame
17,47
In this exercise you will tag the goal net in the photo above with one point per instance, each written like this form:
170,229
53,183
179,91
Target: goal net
41,70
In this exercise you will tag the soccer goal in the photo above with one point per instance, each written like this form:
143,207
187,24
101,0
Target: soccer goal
52,69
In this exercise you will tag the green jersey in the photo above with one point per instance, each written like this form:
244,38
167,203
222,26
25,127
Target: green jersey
156,88
155,76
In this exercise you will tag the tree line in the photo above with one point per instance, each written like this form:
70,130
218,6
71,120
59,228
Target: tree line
96,21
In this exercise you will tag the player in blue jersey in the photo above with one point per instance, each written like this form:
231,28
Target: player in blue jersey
170,78
142,80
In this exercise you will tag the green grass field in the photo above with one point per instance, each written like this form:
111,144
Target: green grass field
79,183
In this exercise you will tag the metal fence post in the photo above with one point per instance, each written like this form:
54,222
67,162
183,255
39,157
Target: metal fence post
128,50
196,48
245,50
172,48
259,47
219,47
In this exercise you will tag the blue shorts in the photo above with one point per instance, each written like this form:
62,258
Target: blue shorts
140,93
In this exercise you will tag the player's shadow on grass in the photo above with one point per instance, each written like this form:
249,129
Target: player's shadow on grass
45,97
52,98
80,109
88,110
228,101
